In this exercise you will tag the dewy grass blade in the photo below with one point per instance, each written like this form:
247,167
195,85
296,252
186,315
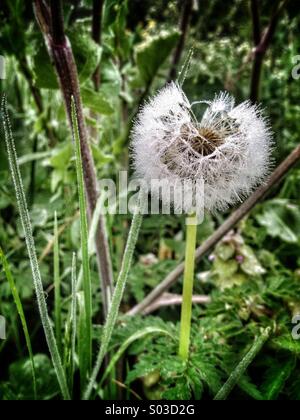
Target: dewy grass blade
71,329
86,361
117,296
21,313
57,286
185,68
73,315
26,224
243,365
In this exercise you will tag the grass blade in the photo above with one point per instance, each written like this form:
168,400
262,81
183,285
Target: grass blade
243,365
57,286
86,360
117,297
21,313
71,330
26,224
134,337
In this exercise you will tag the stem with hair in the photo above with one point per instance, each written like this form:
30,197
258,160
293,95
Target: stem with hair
86,362
57,286
26,224
60,50
118,294
184,27
241,368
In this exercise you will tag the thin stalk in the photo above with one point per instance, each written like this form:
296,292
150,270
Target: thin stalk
71,329
87,289
117,296
184,28
243,365
73,316
21,313
26,224
51,24
57,286
188,282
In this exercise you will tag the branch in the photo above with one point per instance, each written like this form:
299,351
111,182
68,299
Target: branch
96,34
229,224
168,299
184,26
255,22
64,63
261,48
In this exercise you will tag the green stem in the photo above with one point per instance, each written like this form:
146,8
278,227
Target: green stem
243,365
86,364
57,286
188,281
117,297
36,274
21,313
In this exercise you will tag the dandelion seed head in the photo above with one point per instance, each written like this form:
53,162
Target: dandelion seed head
229,148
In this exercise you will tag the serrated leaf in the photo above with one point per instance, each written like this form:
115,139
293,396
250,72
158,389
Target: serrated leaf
275,378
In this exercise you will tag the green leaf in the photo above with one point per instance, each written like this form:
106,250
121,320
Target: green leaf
250,265
275,378
96,101
286,342
21,313
153,52
134,337
18,387
281,220
87,57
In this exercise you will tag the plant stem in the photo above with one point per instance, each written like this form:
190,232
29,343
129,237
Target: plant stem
96,34
188,282
243,365
117,296
261,45
233,219
87,288
184,27
64,62
21,313
36,274
57,285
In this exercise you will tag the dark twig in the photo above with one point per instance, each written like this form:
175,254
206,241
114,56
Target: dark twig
229,224
169,299
184,26
256,27
64,63
262,46
96,34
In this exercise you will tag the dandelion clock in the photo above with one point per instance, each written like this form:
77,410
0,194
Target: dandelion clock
228,149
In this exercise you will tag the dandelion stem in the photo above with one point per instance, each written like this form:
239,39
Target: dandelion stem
188,281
